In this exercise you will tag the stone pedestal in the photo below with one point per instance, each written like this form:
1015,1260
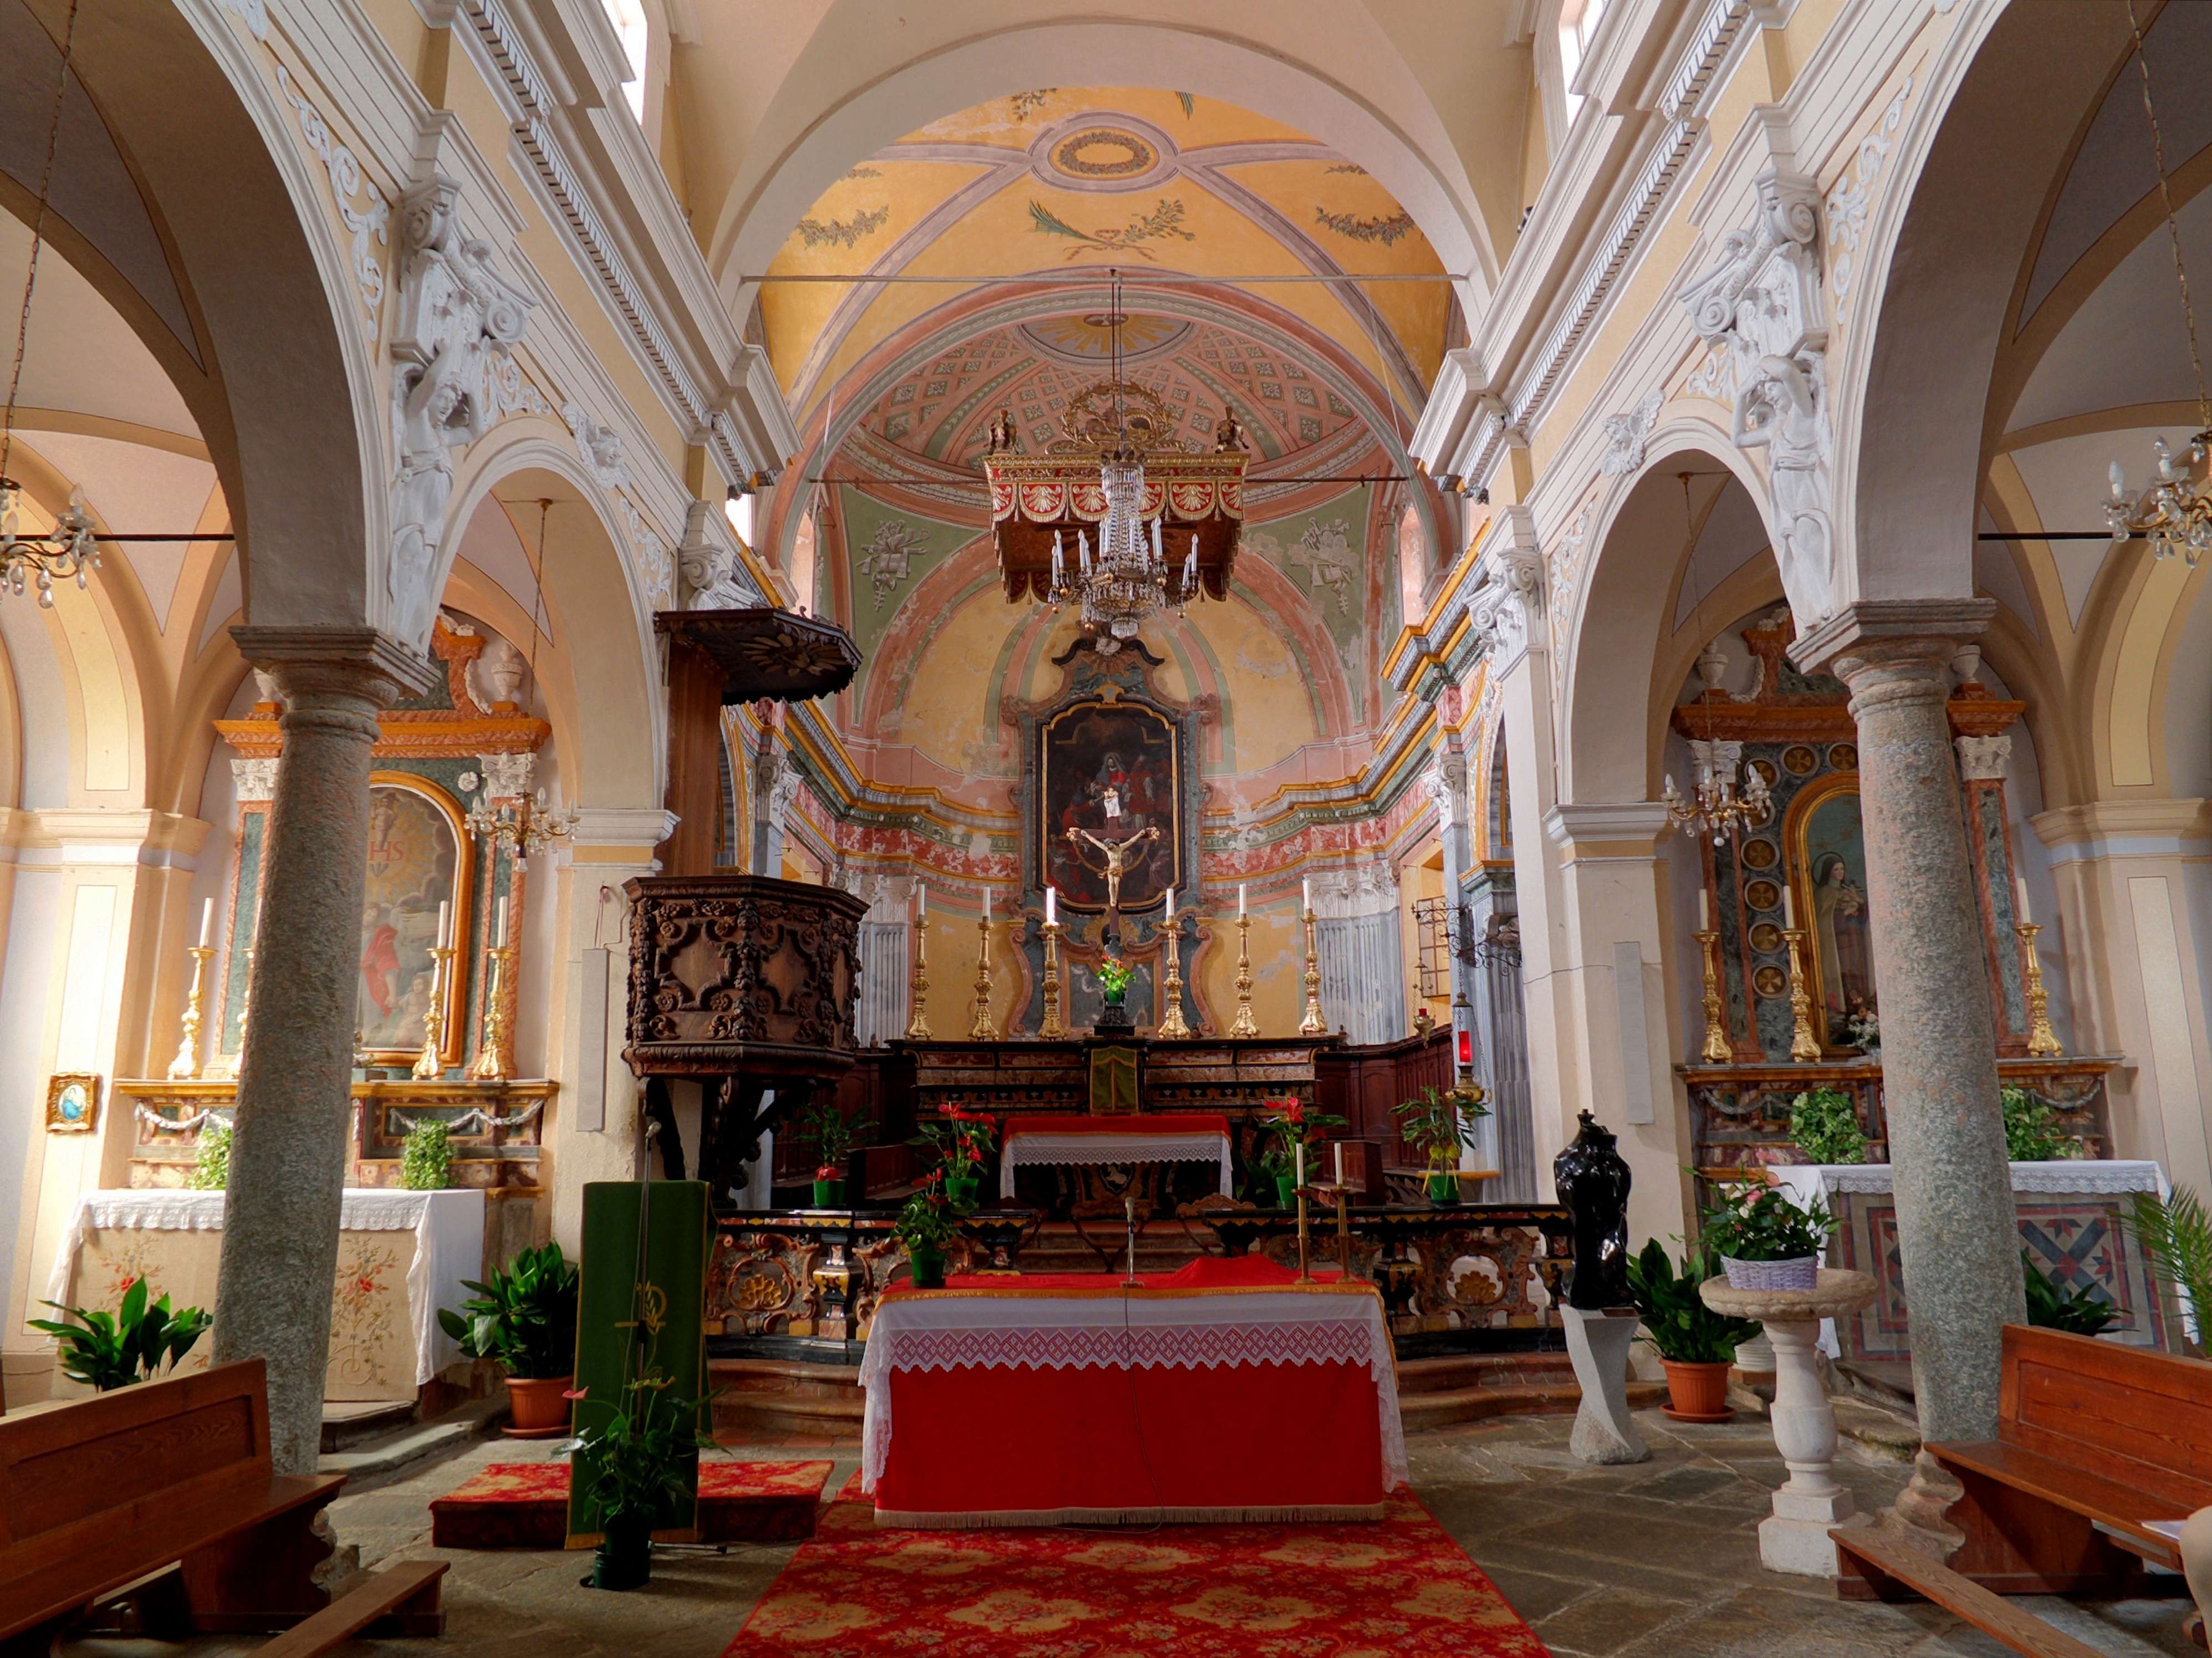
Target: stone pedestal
1795,1537
1598,1343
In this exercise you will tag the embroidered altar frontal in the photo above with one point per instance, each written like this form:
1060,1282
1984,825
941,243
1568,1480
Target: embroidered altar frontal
1225,1392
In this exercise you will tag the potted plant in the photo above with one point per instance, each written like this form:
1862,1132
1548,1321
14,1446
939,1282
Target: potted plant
1824,1124
1764,1241
1438,1124
640,1456
963,1141
1290,1125
524,1319
834,1139
2051,1307
425,1157
925,1226
137,1340
1113,976
2175,1232
1696,1344
2031,1131
210,1157
1862,1027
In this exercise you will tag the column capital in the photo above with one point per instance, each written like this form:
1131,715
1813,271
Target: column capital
361,661
1896,632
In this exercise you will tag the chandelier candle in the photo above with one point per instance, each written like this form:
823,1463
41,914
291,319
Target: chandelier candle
917,1026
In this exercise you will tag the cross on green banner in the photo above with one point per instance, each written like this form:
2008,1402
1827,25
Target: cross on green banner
640,1313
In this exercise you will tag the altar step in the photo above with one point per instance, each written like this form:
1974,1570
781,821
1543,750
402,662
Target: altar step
773,1398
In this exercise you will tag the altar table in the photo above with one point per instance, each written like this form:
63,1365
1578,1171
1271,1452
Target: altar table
402,1255
1225,1391
1064,1141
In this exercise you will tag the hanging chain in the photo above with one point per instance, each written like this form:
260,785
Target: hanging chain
38,239
2173,228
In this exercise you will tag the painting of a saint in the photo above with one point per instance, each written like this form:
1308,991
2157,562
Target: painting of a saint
414,866
1109,771
1832,862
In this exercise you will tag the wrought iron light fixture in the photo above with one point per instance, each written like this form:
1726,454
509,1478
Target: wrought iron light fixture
2173,511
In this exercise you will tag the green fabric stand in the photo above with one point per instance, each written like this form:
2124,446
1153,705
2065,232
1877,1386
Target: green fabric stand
621,1297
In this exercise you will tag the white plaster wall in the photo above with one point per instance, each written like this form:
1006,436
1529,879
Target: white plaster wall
26,975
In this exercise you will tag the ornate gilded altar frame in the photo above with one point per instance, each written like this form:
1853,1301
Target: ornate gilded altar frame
467,853
1796,862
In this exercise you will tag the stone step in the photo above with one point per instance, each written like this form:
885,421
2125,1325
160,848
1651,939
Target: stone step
1549,1397
1452,1372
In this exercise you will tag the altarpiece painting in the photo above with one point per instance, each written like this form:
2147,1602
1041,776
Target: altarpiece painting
416,862
1827,861
1109,771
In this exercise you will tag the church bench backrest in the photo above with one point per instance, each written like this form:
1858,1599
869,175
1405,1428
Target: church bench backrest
2143,1418
72,1477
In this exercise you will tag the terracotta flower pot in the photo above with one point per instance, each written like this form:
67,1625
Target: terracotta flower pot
537,1403
1697,1393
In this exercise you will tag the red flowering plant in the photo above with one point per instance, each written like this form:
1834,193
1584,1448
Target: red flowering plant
820,1121
964,1140
1290,1123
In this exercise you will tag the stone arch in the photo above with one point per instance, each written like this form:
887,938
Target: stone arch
854,90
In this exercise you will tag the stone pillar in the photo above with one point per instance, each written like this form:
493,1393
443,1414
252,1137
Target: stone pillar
1958,1232
280,1235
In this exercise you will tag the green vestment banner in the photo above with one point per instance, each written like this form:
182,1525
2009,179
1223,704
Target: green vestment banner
640,1313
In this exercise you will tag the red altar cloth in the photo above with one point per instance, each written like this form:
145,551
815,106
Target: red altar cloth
1254,1409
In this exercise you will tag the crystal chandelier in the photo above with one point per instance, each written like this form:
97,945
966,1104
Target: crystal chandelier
2173,511
1717,807
533,830
1131,577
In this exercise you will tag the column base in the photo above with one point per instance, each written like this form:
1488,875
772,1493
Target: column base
1802,1547
1604,1433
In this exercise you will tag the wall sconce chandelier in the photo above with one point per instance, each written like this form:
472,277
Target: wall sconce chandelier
533,830
1117,516
1717,807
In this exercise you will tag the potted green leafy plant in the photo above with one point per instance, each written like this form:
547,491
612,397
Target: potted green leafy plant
834,1139
2032,1135
1438,1124
1113,976
926,1227
640,1458
104,1351
1764,1241
1290,1125
2175,1231
425,1157
524,1319
1824,1124
1696,1344
963,1141
2079,1312
210,1157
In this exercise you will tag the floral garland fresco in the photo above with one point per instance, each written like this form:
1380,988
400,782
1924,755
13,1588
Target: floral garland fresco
1165,220
844,233
1383,230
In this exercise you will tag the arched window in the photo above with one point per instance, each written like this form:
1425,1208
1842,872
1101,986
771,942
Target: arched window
1579,21
629,18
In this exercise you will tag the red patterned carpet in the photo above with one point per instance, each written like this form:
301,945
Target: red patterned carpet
525,1505
1399,1589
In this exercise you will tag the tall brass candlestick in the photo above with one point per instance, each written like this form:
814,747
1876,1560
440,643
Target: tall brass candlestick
1804,1047
1245,1025
917,1027
186,1065
2042,1040
1717,1049
431,1062
493,1061
1313,1025
980,1031
1051,1029
1172,1027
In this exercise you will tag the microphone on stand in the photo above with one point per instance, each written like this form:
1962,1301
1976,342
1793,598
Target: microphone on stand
1129,1216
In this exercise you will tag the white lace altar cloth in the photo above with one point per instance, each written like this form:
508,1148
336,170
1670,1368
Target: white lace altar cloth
939,1329
1068,1147
448,1227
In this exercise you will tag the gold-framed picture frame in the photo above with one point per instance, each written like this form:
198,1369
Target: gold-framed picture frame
73,1102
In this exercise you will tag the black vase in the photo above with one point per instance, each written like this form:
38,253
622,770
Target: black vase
624,1560
1593,1181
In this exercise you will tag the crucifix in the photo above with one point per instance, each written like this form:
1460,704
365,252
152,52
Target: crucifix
1116,853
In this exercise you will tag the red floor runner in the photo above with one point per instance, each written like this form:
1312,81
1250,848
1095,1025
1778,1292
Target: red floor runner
1400,1589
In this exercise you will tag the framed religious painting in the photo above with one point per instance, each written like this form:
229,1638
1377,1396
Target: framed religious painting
419,857
72,1102
1110,772
1826,855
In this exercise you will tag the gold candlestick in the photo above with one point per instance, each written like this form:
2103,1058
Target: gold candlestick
1245,1026
431,1062
186,1066
1313,1025
2042,1040
980,1031
1717,1049
1341,1197
493,1061
1051,1029
1172,1028
1305,1241
917,1027
1804,1047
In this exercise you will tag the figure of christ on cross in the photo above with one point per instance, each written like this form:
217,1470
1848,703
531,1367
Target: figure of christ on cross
1116,853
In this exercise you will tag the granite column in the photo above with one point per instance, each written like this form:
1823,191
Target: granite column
279,1237
1958,1232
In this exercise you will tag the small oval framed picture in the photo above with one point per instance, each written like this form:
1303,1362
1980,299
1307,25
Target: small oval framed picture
72,1102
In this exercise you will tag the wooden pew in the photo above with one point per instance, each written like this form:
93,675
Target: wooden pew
104,1492
2095,1441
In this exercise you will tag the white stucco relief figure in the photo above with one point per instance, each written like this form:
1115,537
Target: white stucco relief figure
714,579
458,318
1762,303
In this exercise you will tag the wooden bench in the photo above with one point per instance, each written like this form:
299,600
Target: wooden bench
2095,1441
99,1495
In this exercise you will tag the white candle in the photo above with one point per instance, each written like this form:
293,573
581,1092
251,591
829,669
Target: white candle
1240,901
1789,912
1705,910
1337,1147
921,900
207,917
1307,884
499,927
2019,885
1300,1151
1050,917
445,915
1172,902
986,906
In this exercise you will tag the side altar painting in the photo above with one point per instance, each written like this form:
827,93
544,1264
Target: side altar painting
1108,771
415,866
1827,856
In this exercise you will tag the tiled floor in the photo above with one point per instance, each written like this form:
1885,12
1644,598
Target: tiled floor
1658,1558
